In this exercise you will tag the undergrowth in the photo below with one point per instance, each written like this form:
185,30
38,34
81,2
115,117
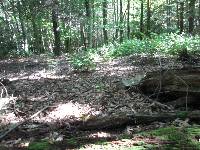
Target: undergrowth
167,44
177,137
163,44
166,138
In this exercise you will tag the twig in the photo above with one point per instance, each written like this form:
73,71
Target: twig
22,122
4,89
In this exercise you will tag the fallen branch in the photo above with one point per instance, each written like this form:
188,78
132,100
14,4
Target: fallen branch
9,129
121,120
4,89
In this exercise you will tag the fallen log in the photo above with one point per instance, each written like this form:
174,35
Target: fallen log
183,101
121,120
169,85
14,126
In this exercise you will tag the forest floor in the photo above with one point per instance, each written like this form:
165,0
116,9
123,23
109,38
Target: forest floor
45,97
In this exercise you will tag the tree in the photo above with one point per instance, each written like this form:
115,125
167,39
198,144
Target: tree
116,12
88,34
57,41
148,17
191,16
37,37
105,33
128,19
168,3
121,21
141,17
181,23
177,15
22,23
199,13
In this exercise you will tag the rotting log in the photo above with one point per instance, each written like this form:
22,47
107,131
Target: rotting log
183,101
121,120
172,84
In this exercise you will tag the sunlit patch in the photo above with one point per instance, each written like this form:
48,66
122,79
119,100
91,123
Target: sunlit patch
65,111
38,75
100,135
45,74
9,118
117,70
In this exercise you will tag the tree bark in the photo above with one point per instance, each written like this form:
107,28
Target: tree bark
191,16
148,17
88,33
181,23
170,85
117,20
57,41
142,17
128,19
105,21
168,13
20,13
121,21
177,15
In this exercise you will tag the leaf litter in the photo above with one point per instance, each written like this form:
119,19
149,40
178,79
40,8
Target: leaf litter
68,95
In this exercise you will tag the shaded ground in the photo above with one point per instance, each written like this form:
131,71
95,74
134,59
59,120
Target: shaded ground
68,96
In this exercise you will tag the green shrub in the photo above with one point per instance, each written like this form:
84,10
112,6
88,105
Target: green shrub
40,145
171,44
82,61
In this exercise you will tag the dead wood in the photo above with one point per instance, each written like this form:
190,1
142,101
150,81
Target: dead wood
172,84
183,101
14,126
121,120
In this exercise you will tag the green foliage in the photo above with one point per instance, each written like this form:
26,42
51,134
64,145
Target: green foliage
182,115
171,44
169,133
72,141
180,138
20,53
82,61
41,145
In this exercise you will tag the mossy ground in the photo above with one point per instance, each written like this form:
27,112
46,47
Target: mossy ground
167,138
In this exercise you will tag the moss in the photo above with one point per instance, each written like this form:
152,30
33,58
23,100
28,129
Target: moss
72,141
182,114
179,138
40,145
125,136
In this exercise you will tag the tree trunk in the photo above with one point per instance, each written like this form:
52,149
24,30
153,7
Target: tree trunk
105,33
177,15
181,23
191,16
37,38
128,19
148,17
168,13
20,13
142,17
57,41
199,14
88,33
121,21
117,20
